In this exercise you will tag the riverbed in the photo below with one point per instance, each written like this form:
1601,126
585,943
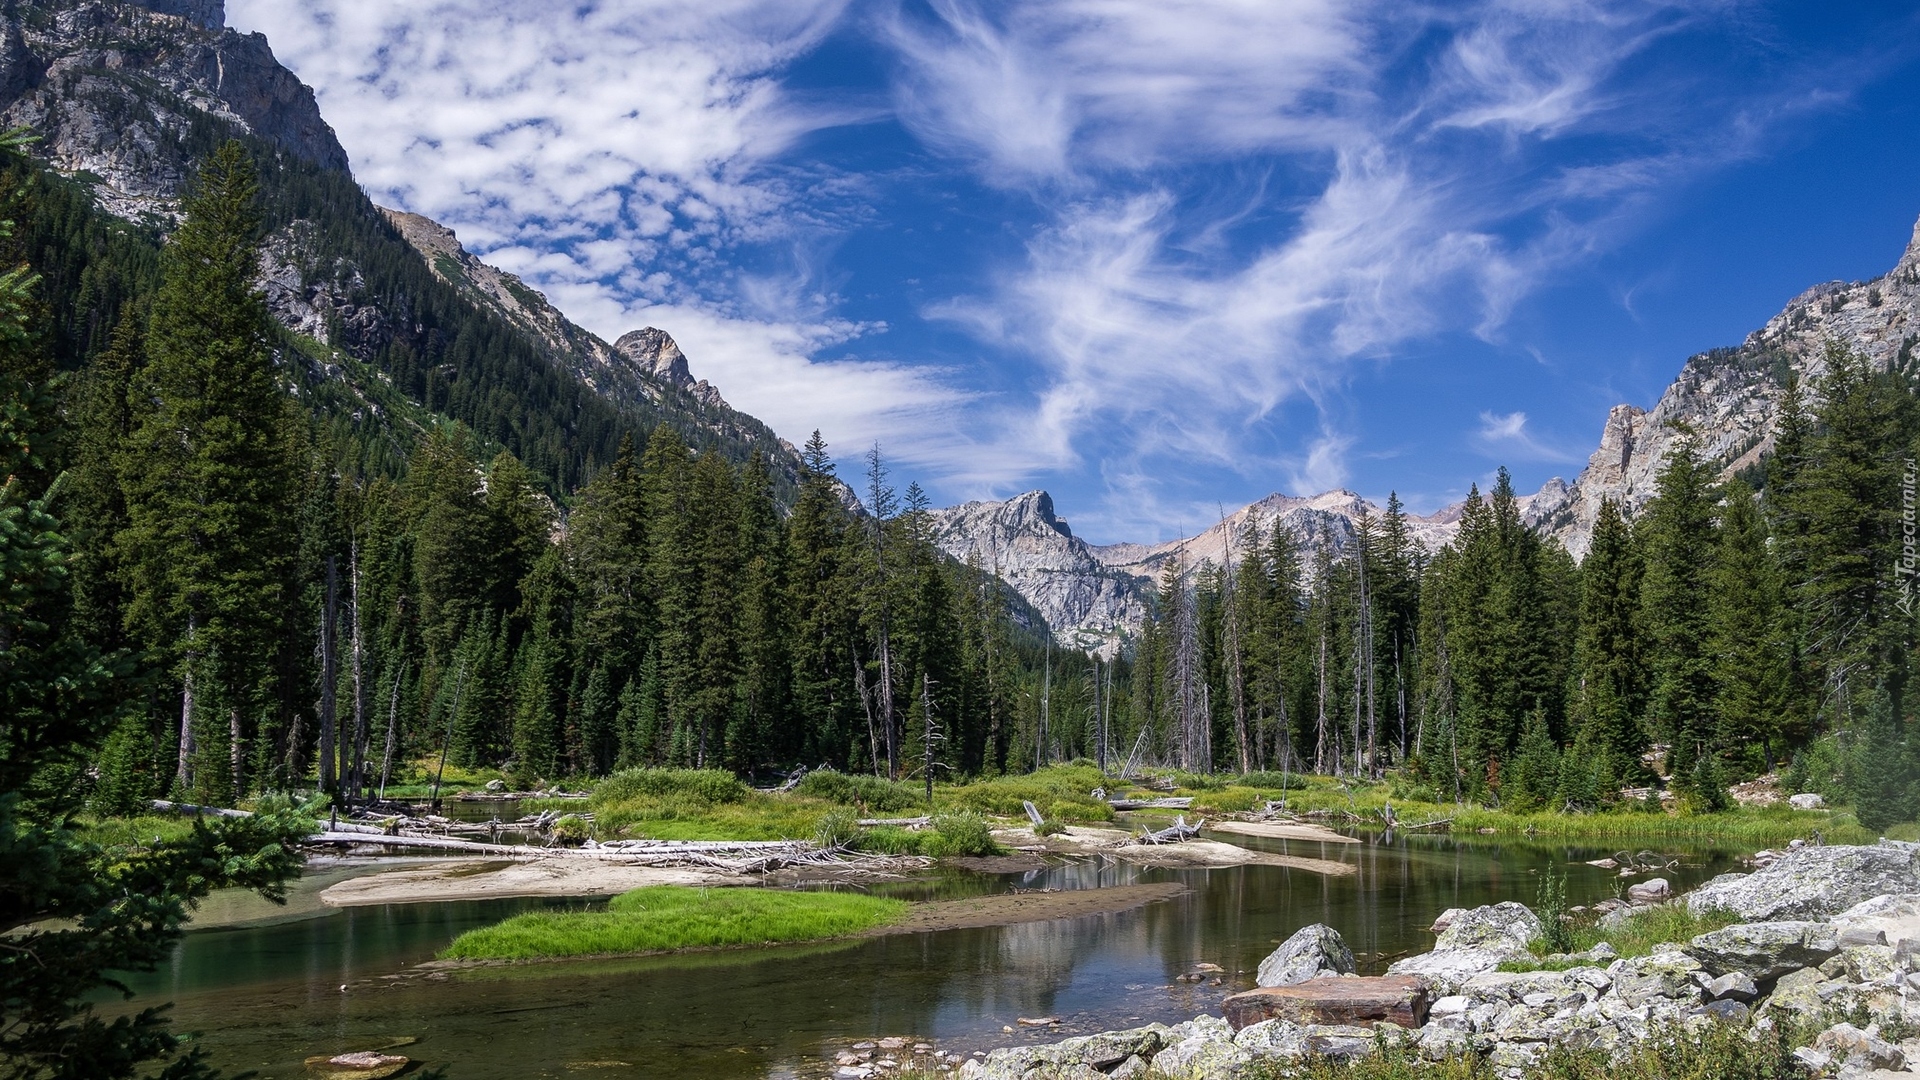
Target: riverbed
315,979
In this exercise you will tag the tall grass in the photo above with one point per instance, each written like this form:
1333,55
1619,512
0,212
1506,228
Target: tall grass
667,917
1739,827
1636,935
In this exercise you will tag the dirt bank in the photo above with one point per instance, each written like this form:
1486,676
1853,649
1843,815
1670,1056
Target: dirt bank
497,879
1002,909
1282,831
1189,854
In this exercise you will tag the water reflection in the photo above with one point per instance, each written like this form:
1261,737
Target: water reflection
266,996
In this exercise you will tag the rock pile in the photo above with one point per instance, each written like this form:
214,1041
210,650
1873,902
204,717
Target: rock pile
1831,930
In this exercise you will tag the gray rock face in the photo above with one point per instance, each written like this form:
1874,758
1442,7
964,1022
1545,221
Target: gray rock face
1765,951
1813,882
113,86
1311,952
207,14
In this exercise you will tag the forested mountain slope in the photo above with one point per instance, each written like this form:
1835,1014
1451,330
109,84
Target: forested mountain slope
128,97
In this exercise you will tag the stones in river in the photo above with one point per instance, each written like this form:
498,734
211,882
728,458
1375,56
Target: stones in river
1394,999
360,1065
1650,891
1312,952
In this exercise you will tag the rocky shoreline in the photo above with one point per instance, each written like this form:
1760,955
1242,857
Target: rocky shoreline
1825,932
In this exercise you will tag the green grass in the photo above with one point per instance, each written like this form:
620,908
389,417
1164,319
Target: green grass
1740,827
121,833
669,917
1636,936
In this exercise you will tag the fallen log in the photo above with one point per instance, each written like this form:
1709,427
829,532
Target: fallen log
705,846
423,842
898,822
1182,803
1172,834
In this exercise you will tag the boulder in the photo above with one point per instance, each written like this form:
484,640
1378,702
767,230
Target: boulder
1064,1060
1733,986
1664,977
1202,1057
1507,926
1394,999
1134,1068
1650,891
1272,1038
1806,800
1857,1050
360,1065
1766,950
1813,881
1447,970
1471,942
1312,951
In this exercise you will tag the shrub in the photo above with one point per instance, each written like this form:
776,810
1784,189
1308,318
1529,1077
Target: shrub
893,840
1556,934
704,785
839,829
1816,768
1049,827
570,831
869,791
959,835
1228,800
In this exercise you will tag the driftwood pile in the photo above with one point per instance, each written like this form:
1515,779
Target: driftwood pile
1172,834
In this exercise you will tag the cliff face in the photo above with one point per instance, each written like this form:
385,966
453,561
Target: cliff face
117,90
1729,397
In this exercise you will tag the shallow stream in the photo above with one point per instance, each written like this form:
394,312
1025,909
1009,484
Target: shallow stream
266,994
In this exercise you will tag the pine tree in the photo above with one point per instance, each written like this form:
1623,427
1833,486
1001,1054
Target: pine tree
211,475
1751,657
821,653
1847,499
1610,692
1880,767
1678,526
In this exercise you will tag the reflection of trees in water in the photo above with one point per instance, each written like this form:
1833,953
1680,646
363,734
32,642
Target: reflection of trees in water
747,1013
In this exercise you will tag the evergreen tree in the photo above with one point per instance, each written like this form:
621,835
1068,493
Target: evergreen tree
1679,535
1610,688
211,477
822,653
1751,656
1880,767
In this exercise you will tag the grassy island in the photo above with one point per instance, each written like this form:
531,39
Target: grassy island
668,917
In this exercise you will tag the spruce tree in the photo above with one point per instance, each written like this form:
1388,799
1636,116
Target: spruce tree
211,475
1678,526
1610,687
1751,655
821,654
1880,767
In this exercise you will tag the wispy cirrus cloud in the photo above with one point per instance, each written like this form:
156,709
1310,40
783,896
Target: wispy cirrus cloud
626,159
1166,234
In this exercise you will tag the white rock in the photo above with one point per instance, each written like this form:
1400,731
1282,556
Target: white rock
1808,800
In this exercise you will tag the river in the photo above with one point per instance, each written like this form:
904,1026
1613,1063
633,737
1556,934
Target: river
273,989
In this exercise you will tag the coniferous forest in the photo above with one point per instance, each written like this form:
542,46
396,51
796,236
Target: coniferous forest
315,599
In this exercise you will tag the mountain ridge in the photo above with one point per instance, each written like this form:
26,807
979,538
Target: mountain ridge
1726,397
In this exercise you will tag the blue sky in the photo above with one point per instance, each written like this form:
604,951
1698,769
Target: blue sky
1156,256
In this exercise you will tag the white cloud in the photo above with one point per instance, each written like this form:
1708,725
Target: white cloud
1432,213
1506,434
616,156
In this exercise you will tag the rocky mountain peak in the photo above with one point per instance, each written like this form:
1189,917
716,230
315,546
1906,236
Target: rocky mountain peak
1911,259
207,14
657,356
654,352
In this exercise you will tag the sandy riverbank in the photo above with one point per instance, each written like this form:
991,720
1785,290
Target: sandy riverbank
1188,854
1277,830
497,879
